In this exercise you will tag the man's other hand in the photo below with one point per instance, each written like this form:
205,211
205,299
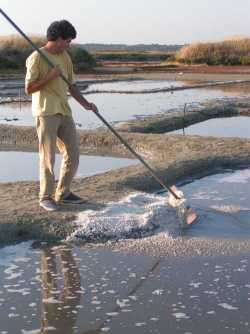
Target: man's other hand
93,107
54,73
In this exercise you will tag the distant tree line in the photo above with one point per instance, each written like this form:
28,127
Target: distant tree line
231,52
93,47
14,51
131,56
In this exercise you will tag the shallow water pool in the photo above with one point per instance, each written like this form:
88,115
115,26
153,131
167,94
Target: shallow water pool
66,290
219,127
134,85
24,166
223,202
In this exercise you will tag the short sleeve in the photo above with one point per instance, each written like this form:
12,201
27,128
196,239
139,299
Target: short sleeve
32,68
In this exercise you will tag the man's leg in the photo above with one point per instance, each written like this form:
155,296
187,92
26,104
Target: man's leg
47,128
68,145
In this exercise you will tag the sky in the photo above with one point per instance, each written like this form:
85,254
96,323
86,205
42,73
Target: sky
133,21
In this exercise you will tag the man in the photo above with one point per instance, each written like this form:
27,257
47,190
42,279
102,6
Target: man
54,122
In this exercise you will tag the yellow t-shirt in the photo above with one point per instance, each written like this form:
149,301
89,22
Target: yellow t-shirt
51,99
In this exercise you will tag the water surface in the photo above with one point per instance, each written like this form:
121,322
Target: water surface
134,85
223,202
76,290
122,107
237,126
24,166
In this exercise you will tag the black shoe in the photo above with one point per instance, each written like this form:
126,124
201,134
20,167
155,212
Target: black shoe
71,199
48,205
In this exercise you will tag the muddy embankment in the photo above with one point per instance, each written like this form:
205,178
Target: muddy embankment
177,120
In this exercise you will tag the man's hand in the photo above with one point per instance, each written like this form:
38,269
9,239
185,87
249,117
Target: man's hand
54,73
75,92
93,107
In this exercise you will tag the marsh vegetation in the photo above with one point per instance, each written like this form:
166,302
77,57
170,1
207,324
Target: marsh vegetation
229,52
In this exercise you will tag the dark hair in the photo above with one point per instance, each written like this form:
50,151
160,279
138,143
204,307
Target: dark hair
63,29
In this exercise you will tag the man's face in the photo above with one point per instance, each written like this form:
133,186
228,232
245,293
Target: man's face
62,44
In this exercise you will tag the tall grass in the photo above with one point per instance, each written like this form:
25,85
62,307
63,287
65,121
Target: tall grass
18,43
14,50
230,52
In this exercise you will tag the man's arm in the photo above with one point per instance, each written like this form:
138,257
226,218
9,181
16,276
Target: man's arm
35,86
75,92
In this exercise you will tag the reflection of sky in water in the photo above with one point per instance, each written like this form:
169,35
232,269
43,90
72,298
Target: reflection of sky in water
220,127
72,290
20,166
119,107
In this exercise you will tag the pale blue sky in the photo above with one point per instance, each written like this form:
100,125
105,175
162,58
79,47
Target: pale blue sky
134,21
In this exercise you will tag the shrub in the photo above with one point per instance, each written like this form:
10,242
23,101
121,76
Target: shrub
7,64
82,60
245,60
15,49
232,52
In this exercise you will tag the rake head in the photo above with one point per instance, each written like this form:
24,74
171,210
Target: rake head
187,216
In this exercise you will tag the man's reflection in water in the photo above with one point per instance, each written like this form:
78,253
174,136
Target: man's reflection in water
59,311
59,304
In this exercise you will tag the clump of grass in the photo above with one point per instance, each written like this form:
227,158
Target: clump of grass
18,43
14,50
229,52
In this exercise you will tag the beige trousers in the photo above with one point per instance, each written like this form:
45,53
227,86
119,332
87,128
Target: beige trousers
56,130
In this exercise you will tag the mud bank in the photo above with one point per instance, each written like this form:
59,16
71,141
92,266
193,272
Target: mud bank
177,120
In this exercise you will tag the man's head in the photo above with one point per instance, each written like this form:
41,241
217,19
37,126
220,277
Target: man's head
61,33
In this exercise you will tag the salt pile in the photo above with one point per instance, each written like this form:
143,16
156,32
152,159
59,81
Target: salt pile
136,216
